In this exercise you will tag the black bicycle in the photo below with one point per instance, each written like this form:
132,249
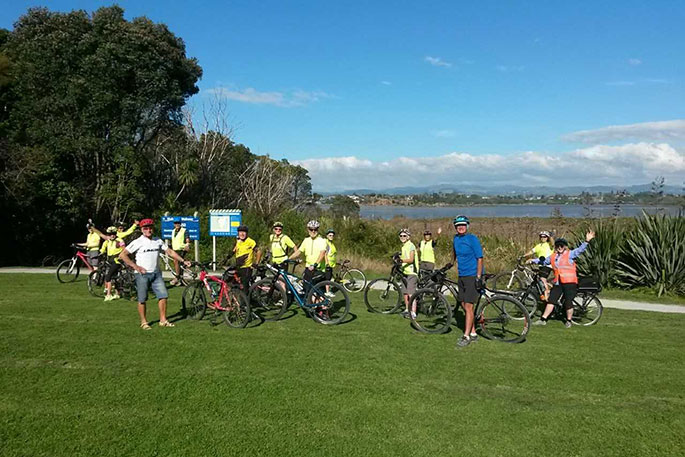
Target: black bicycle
384,295
587,307
499,317
124,282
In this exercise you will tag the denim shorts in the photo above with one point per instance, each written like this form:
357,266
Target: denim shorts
154,279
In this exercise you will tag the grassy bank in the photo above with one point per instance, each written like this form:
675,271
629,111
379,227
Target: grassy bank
79,378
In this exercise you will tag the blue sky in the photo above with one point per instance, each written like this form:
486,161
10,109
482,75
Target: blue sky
471,91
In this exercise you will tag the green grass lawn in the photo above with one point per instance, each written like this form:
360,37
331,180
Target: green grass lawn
78,377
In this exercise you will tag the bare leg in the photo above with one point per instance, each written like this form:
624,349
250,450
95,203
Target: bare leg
548,310
162,310
469,326
141,313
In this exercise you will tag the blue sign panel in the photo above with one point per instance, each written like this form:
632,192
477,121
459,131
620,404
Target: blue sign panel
224,222
192,225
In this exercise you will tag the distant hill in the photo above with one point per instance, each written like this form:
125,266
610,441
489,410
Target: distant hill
508,190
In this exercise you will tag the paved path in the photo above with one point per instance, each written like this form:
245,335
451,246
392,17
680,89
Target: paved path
608,303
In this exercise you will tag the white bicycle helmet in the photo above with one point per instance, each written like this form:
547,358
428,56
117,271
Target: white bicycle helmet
313,225
544,233
405,231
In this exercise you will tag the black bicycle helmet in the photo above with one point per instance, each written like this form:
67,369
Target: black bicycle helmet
560,242
242,228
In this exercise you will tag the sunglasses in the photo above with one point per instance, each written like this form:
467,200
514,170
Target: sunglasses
278,228
147,227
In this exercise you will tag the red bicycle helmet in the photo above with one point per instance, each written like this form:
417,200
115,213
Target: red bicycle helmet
147,222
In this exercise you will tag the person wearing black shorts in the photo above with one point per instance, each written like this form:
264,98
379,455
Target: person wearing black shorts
467,253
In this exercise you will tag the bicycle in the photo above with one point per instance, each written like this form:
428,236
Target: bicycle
69,269
352,279
516,280
499,317
326,302
186,274
227,300
587,307
124,282
384,295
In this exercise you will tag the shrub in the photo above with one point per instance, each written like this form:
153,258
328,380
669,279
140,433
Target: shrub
599,260
654,254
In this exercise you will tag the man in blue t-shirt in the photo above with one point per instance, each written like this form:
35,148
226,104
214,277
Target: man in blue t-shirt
467,253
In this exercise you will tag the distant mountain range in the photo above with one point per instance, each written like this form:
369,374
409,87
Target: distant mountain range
508,190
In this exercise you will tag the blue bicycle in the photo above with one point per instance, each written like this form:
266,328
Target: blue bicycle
326,302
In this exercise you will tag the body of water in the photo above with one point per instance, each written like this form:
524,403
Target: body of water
433,212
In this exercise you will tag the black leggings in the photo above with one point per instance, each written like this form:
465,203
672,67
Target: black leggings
312,277
569,292
245,275
113,270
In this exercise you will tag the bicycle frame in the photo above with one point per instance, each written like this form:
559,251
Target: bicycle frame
206,279
84,258
283,275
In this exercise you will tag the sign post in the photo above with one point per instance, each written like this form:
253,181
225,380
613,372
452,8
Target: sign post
223,222
191,224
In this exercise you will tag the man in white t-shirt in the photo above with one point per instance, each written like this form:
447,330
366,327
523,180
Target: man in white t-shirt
147,249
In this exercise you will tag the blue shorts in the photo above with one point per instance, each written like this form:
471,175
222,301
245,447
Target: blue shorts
154,279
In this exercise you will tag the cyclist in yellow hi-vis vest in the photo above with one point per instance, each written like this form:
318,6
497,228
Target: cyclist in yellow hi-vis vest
180,243
314,248
279,244
92,244
410,270
427,250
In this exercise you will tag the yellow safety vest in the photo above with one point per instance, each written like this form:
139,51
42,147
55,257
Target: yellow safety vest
93,241
542,250
332,254
312,247
409,268
178,239
278,246
427,253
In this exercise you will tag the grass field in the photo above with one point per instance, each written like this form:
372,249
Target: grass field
79,377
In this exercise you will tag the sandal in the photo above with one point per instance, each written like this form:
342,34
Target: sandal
166,324
145,326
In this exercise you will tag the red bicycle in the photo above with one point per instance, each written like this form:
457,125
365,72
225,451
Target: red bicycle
69,269
227,299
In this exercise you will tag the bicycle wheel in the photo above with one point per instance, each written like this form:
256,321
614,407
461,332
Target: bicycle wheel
433,313
353,280
586,310
68,270
507,282
383,296
194,301
328,303
236,310
530,300
503,318
268,299
96,281
450,290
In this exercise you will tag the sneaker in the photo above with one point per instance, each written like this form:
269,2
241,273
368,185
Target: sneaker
540,322
116,296
463,341
413,315
473,337
405,314
109,297
568,324
173,282
329,294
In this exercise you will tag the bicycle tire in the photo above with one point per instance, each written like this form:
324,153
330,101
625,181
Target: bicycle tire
96,284
453,291
383,296
353,280
503,318
506,282
530,300
125,284
586,311
268,300
328,303
433,312
194,301
68,270
236,312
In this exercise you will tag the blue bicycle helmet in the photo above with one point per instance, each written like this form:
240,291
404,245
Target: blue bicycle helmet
461,220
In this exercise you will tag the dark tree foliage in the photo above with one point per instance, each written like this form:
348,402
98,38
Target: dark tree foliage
93,125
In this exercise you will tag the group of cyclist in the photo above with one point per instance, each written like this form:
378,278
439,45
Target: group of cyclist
320,258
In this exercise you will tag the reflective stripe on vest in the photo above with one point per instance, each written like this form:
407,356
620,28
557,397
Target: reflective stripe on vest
564,271
178,239
427,253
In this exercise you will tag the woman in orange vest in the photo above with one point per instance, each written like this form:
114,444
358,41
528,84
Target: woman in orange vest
565,277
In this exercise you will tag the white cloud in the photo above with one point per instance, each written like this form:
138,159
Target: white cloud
634,62
282,99
437,61
654,131
510,68
611,165
444,133
386,83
